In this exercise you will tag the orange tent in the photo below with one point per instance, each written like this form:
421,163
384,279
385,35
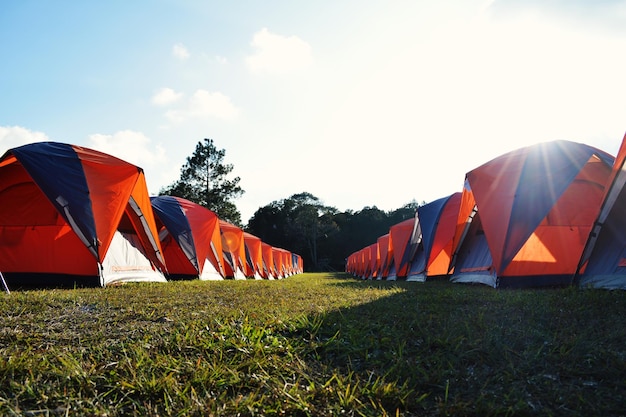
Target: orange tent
437,225
72,215
269,270
254,256
190,237
234,250
535,208
385,258
282,262
402,235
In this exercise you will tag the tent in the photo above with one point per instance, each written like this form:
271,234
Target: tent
269,270
277,257
403,235
287,262
437,223
190,238
298,263
373,258
534,208
603,263
254,256
363,260
353,264
471,261
386,269
75,216
282,262
234,251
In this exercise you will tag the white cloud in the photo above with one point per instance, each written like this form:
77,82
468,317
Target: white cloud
277,54
166,96
205,104
131,146
180,51
13,136
138,149
221,60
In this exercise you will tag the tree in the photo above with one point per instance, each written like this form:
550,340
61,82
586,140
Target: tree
297,223
203,180
322,235
308,220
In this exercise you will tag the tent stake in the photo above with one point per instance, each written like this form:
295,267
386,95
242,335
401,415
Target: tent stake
4,284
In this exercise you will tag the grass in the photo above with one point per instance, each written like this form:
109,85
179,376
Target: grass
313,344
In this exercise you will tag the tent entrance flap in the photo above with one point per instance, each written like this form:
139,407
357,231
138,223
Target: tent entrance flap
126,261
209,272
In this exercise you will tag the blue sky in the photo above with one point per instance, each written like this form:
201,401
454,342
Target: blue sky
359,103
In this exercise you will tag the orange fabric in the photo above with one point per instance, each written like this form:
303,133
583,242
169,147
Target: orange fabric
33,236
364,261
441,250
268,261
44,249
496,183
505,185
557,244
466,207
278,262
385,256
400,234
49,244
619,163
149,237
217,257
205,229
10,159
232,242
255,251
114,180
286,255
374,261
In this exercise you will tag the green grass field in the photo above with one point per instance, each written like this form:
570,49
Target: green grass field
312,344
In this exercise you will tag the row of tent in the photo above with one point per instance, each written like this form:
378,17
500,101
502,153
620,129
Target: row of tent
551,214
75,216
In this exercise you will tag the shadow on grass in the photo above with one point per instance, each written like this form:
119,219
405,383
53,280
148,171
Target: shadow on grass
438,348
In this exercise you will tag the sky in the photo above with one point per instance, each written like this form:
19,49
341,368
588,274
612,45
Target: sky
360,103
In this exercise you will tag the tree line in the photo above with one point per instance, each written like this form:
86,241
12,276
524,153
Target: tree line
322,235
301,223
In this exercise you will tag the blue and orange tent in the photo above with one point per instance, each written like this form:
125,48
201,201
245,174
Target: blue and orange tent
72,215
534,209
437,223
190,238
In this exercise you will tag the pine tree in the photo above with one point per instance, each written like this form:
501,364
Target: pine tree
204,180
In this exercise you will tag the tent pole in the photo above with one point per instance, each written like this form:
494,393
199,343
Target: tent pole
4,284
101,273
